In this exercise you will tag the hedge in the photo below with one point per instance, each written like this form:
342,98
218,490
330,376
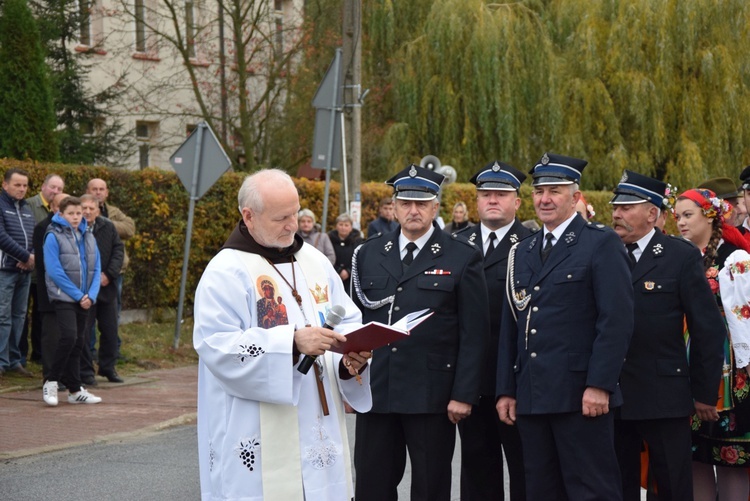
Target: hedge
158,203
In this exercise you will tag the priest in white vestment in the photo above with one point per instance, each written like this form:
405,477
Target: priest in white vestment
266,431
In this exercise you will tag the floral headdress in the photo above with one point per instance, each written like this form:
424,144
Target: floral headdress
590,213
711,205
670,198
714,207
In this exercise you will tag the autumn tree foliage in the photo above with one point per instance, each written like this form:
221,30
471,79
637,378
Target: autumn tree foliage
657,86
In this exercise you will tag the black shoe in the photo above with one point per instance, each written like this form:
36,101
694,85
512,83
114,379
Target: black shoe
112,377
88,381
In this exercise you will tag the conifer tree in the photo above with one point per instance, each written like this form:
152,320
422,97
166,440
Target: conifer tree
26,111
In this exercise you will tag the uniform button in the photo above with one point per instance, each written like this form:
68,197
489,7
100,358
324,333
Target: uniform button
396,308
533,331
399,289
536,288
679,370
394,349
570,276
533,355
535,308
658,286
448,366
515,367
370,283
435,284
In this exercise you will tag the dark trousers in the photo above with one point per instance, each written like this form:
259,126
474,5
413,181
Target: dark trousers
32,326
380,455
50,334
105,315
669,456
484,438
570,457
72,320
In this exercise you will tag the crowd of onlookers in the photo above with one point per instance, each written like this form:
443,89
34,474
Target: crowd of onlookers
61,263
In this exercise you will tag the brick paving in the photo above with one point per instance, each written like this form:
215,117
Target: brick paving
146,402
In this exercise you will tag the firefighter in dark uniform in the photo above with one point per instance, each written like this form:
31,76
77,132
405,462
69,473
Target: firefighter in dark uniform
563,339
484,437
661,387
422,385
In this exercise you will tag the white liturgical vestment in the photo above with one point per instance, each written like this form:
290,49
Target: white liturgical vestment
262,433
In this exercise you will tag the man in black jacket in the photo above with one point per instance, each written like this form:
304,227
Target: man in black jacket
484,437
661,386
112,251
424,384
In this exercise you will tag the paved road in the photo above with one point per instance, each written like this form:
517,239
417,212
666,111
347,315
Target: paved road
158,466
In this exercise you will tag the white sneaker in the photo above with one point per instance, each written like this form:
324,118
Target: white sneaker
83,397
49,391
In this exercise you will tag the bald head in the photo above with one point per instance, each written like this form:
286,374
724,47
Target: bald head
269,204
54,204
98,188
52,185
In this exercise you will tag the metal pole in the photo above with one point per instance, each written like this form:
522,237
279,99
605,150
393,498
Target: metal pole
334,106
223,76
189,230
343,165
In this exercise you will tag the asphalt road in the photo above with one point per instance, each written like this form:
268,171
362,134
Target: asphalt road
161,466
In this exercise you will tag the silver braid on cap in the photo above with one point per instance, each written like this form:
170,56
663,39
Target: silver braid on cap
370,305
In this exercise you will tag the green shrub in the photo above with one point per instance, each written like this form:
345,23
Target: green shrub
158,203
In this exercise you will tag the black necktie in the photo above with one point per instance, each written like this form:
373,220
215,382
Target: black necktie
409,257
547,246
491,247
631,248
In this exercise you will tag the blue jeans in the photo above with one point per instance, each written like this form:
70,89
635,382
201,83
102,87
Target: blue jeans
14,297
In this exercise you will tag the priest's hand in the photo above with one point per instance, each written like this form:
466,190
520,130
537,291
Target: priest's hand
706,412
354,362
316,340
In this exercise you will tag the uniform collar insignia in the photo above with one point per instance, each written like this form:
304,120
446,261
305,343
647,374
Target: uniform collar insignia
513,238
658,249
531,244
569,237
472,237
435,248
388,246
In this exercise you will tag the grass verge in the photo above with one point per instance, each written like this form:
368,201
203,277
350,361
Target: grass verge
145,347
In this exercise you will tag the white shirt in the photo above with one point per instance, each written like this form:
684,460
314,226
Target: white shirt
421,242
499,233
642,244
557,233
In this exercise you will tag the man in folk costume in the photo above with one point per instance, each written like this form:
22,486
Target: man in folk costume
265,429
422,385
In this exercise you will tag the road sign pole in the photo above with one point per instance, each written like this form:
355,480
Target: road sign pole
189,230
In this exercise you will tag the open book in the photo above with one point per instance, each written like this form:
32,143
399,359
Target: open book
374,334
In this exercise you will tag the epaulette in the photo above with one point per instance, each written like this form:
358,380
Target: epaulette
377,235
460,238
533,232
596,226
681,240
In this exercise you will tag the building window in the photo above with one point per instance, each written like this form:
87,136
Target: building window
190,27
279,36
145,133
85,16
140,26
278,5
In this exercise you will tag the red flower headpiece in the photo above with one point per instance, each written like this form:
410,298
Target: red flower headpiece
714,207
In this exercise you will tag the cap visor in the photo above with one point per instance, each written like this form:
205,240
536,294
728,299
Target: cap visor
415,195
549,180
490,186
621,199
